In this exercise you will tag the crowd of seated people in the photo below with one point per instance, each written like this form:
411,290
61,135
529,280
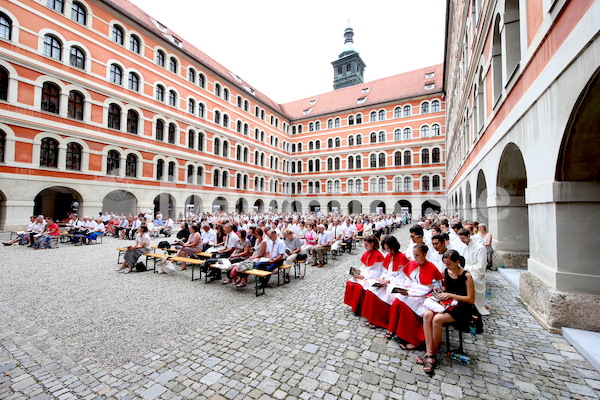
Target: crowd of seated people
440,278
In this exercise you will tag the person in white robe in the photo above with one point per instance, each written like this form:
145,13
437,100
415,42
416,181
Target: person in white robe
475,262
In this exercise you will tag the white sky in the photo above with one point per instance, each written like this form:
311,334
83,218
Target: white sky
285,48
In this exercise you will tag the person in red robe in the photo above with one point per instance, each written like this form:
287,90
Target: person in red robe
416,281
371,268
377,302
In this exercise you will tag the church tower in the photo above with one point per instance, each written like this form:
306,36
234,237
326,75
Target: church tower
349,68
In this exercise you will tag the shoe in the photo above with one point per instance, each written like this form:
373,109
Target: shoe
6,244
127,271
119,269
314,264
321,265
240,285
225,282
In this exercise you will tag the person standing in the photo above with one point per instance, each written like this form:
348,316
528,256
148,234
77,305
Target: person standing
475,263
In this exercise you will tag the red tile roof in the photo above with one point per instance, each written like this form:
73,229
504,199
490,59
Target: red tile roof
406,85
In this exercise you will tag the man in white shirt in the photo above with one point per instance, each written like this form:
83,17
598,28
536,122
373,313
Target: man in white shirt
475,262
38,228
167,227
231,241
135,224
337,234
350,233
208,236
74,224
435,255
323,246
416,236
276,257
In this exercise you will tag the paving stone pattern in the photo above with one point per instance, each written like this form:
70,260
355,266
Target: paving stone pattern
299,341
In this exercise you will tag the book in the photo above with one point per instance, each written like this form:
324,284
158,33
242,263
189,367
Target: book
377,284
354,272
400,290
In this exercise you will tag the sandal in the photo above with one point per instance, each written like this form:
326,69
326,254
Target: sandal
430,364
421,359
389,335
407,346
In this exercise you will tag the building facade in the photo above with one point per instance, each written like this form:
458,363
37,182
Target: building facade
103,108
521,79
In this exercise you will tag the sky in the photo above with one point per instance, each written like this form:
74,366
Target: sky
285,48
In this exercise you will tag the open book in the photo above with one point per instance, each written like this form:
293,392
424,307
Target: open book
354,272
400,290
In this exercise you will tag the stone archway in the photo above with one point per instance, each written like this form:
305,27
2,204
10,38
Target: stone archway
377,207
430,207
461,204
220,204
355,207
314,206
120,202
241,205
273,206
57,202
165,203
259,206
296,206
193,204
511,214
402,206
481,195
285,206
468,201
334,206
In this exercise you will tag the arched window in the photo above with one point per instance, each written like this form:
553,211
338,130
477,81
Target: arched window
172,98
435,130
190,174
311,126
160,169
338,122
358,139
425,156
160,93
201,81
116,74
171,172
56,5
329,187
435,182
225,149
299,147
134,82
397,184
52,47
373,137
373,116
425,183
407,110
226,120
246,129
425,107
397,135
201,110
216,178
191,106
381,160
245,155
350,186
262,160
330,124
49,153
317,165
407,157
238,153
217,146
192,75
172,137
397,112
382,115
310,165
160,58
381,187
358,162
217,90
373,159
350,140
336,164
435,106
435,155
199,172
131,165
118,35
337,142
114,116
133,119
5,27
358,119
318,126
76,103
2,146
191,139
330,143
407,133
200,141
317,144
397,158
425,131
173,65
351,120
73,156
373,185
226,98
113,162
382,136
135,44
77,57
350,162
217,117
407,184
238,126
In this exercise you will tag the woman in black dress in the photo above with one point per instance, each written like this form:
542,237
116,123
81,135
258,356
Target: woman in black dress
458,286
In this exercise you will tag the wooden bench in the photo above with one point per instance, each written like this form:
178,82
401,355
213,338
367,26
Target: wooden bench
194,262
257,273
298,268
284,269
122,251
155,257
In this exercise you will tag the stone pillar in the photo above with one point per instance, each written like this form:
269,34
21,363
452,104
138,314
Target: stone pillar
508,222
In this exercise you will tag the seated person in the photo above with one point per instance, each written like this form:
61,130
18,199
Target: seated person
23,236
259,251
276,257
293,246
45,240
191,247
371,268
95,232
183,235
167,227
135,251
242,251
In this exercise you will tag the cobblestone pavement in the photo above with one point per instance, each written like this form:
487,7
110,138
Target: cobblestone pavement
297,342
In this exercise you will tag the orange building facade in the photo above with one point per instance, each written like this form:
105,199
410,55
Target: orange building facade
521,79
105,109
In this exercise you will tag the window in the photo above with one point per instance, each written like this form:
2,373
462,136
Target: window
382,115
2,146
382,136
329,187
226,120
435,106
435,155
133,119
425,108
373,116
160,130
358,119
373,185
114,116
5,27
381,187
317,145
191,139
131,165
317,166
78,13
216,178
135,44
74,156
56,5
201,80
435,182
217,148
435,130
425,131
351,162
192,106
373,160
407,133
113,162
425,183
246,106
225,149
336,164
397,112
192,75
311,126
76,102
425,156
407,184
49,153
160,58
199,172
217,118
338,123
172,98
373,137
226,98
173,65
350,184
160,169
200,141
350,140
201,110
118,35
351,120
134,82
397,135
330,143
172,133
329,124
171,172
329,164
217,90
52,47
160,93
381,160
407,110
407,157
50,97
190,174
116,74
77,57
359,139
338,142
358,186
397,158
